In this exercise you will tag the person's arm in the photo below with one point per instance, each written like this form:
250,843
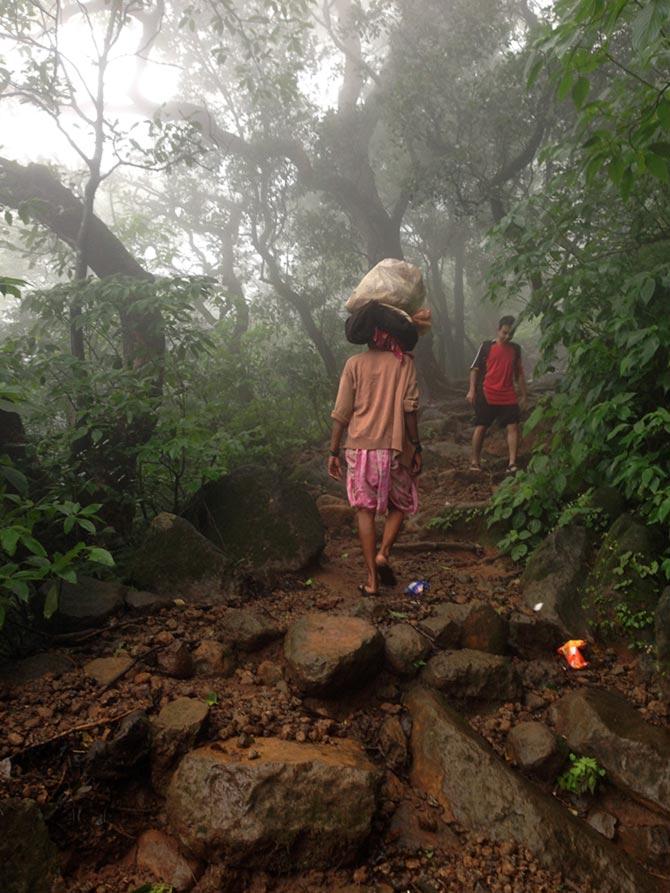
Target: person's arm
334,464
472,392
412,425
342,412
477,366
521,384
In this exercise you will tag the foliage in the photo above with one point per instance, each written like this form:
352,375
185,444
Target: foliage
583,776
215,410
39,542
592,246
625,612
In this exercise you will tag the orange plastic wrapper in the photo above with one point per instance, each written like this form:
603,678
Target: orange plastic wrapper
572,654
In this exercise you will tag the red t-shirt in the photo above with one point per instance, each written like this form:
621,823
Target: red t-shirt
503,363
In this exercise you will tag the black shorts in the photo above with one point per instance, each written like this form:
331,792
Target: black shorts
486,413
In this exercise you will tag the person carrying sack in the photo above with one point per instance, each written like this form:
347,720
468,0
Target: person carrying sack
377,403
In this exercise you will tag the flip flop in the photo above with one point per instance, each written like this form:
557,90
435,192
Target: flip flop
363,589
475,467
386,575
511,469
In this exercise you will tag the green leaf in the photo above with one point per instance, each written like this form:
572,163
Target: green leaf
87,525
13,476
8,218
9,538
100,556
657,166
661,148
564,86
51,601
33,545
663,113
580,91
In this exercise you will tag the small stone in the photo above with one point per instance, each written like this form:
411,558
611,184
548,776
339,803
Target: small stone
105,669
269,673
176,661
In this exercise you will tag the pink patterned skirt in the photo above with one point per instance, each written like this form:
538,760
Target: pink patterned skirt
377,481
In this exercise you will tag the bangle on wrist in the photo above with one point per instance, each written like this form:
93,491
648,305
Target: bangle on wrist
335,454
417,446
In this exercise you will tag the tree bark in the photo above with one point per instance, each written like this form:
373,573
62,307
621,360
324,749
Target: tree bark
459,308
34,187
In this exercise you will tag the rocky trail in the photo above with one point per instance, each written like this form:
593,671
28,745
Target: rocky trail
298,737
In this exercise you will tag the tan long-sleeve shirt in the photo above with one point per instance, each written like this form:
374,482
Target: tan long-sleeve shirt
376,390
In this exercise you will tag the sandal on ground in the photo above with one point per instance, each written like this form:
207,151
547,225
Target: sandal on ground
511,469
474,467
386,575
363,589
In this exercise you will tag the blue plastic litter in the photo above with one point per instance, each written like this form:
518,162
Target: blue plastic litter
417,587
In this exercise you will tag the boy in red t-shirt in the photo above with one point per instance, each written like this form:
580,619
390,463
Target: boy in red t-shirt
499,369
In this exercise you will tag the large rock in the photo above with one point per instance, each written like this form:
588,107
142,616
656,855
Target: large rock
175,731
485,630
335,512
474,787
635,754
248,630
473,674
265,524
120,755
328,654
106,669
554,577
405,649
29,860
158,855
175,559
445,625
618,577
535,748
295,806
534,636
29,668
86,603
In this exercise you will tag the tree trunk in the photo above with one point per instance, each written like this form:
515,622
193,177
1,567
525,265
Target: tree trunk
459,309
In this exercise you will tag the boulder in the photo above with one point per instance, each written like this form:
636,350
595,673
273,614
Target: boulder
535,748
158,855
142,602
120,755
328,654
617,579
295,806
477,789
554,577
485,630
86,603
175,559
393,743
212,658
265,523
248,630
606,500
534,636
176,661
635,754
175,731
445,626
335,512
29,861
29,668
405,649
473,674
105,669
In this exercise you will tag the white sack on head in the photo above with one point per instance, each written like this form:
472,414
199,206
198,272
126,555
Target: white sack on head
392,282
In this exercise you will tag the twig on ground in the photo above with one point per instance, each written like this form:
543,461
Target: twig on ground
137,660
83,727
436,546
